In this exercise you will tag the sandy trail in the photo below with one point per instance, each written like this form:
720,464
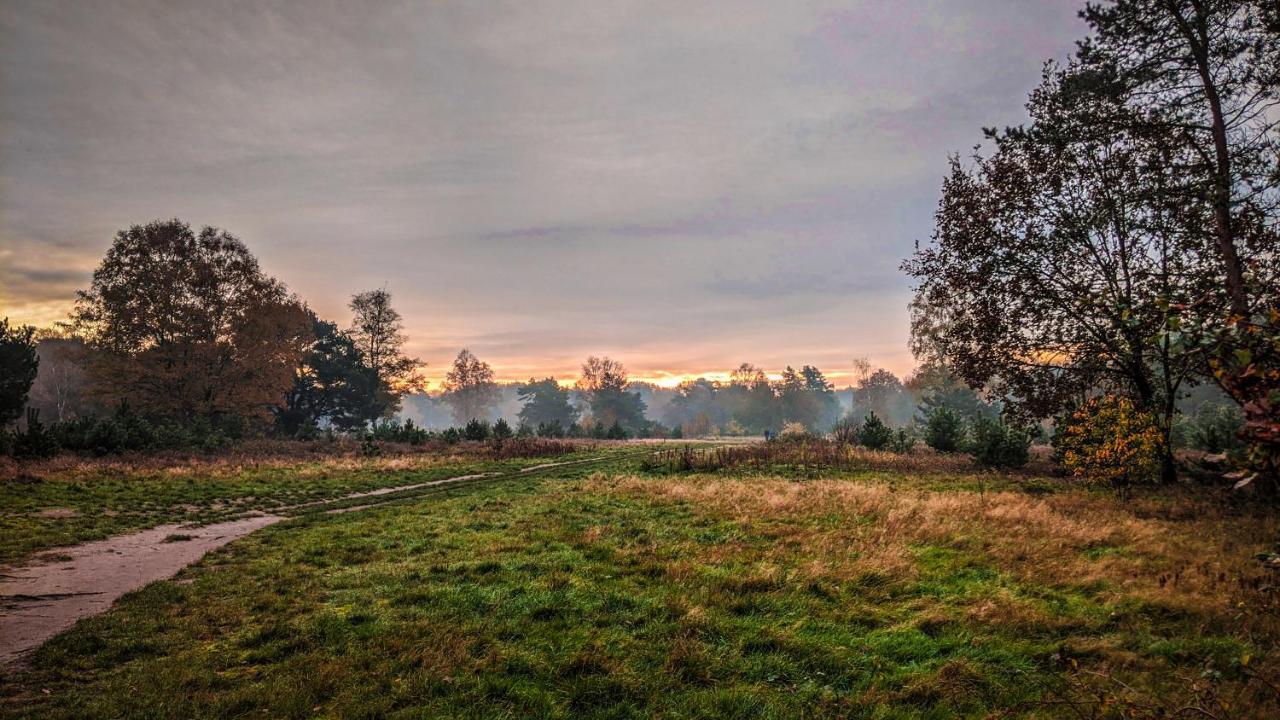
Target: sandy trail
58,587
41,600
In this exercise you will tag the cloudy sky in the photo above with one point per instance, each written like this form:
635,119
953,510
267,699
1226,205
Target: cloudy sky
683,186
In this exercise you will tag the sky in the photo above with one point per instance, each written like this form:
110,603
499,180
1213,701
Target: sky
681,186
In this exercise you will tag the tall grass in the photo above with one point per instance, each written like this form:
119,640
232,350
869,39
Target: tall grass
811,453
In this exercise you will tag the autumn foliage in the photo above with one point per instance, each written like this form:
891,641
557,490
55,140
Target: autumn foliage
1110,441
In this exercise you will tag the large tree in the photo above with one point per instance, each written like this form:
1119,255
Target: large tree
604,384
378,331
545,402
1203,75
19,364
1056,259
470,389
185,324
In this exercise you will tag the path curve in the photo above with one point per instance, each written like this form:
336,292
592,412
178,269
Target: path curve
43,598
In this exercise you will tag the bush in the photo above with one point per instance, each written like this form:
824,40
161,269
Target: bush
677,433
524,431
551,429
1215,428
794,432
998,444
501,430
35,441
904,441
393,431
616,432
1109,441
846,431
944,430
875,435
476,430
451,436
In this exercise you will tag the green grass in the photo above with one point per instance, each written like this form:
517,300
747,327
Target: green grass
561,595
64,509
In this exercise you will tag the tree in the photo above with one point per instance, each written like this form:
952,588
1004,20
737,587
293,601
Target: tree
61,388
828,407
470,389
751,399
378,331
19,364
332,384
944,430
1202,76
604,383
882,393
1056,260
875,435
186,325
547,404
937,386
697,402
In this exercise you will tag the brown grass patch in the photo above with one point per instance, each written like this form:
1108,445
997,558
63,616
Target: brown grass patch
1180,551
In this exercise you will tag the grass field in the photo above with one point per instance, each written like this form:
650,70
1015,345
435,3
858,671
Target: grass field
616,591
70,500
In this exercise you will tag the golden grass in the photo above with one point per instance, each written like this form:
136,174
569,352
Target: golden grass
1182,550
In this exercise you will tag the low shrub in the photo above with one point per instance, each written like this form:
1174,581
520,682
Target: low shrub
501,430
995,443
846,431
904,441
794,432
944,430
35,440
1109,441
476,430
875,435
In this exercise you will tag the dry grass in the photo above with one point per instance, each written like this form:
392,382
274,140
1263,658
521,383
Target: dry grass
321,455
817,454
1184,548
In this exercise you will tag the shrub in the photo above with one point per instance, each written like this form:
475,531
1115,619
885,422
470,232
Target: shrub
35,441
1215,428
904,441
551,429
616,432
794,432
476,430
502,429
846,431
995,443
677,433
944,429
451,435
1109,441
733,428
875,435
523,430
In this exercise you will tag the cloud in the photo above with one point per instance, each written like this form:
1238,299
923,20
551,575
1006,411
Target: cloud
537,179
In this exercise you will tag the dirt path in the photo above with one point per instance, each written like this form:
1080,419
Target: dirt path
58,587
